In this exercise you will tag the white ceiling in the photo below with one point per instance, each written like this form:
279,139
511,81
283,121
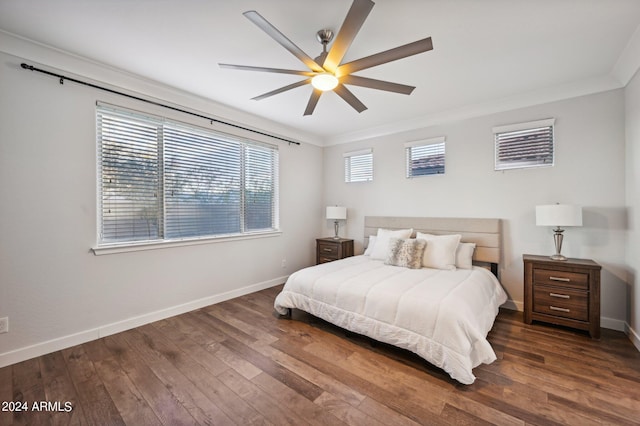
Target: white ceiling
485,52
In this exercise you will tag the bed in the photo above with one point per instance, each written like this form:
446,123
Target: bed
442,312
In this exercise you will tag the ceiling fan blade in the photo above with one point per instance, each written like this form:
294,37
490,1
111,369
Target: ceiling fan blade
313,101
349,98
377,84
264,69
352,23
282,89
390,55
273,32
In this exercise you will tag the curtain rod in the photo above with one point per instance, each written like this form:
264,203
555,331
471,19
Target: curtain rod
106,89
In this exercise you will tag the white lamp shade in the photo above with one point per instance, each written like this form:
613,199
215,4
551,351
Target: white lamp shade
559,215
336,213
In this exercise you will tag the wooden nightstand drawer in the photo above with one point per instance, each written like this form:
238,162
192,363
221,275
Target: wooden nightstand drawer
561,302
561,278
330,251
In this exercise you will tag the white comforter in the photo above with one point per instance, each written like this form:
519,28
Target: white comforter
443,316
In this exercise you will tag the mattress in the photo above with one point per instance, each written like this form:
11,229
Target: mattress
443,316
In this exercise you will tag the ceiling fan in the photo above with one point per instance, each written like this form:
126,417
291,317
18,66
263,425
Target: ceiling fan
327,72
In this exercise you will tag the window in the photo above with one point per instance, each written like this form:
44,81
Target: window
425,157
358,166
524,145
163,180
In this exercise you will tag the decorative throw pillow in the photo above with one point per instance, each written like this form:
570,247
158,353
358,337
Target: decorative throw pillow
406,252
440,252
381,248
464,255
372,243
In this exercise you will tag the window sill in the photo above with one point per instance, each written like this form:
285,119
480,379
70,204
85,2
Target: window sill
153,245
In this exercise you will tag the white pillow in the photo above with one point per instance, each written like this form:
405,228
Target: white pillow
372,243
381,248
441,250
464,255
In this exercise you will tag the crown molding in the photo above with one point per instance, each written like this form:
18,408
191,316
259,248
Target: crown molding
66,62
523,100
629,61
625,68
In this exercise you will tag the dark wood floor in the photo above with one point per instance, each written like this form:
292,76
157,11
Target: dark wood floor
237,363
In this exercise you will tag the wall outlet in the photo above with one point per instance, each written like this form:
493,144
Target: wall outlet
4,325
284,263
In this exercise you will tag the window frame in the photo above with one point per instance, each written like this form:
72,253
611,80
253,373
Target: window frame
244,145
438,144
532,127
362,172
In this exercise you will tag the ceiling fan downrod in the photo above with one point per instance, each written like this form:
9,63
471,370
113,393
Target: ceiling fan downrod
323,36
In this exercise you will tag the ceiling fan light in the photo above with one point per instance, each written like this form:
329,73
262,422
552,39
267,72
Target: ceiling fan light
324,81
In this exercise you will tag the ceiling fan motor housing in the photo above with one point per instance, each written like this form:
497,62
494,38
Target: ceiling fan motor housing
324,36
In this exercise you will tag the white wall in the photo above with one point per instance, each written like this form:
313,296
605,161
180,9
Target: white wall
53,289
56,293
589,171
632,157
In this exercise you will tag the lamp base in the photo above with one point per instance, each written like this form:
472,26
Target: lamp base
557,238
335,226
557,257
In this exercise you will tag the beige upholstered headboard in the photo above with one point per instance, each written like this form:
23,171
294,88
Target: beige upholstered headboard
486,233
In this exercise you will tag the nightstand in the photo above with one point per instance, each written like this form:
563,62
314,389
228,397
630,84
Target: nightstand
330,249
562,292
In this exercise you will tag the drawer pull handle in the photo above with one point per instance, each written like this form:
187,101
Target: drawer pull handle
555,308
565,280
560,296
327,249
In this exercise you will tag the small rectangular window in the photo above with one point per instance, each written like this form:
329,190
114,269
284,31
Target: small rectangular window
425,157
358,166
524,145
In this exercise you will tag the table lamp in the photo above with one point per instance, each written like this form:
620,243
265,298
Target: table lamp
336,213
558,215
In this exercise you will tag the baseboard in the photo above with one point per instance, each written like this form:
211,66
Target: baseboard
633,336
60,343
613,324
64,342
513,305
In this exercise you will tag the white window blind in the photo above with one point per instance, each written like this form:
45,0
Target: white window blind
425,157
163,180
203,178
129,187
260,188
358,166
524,145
